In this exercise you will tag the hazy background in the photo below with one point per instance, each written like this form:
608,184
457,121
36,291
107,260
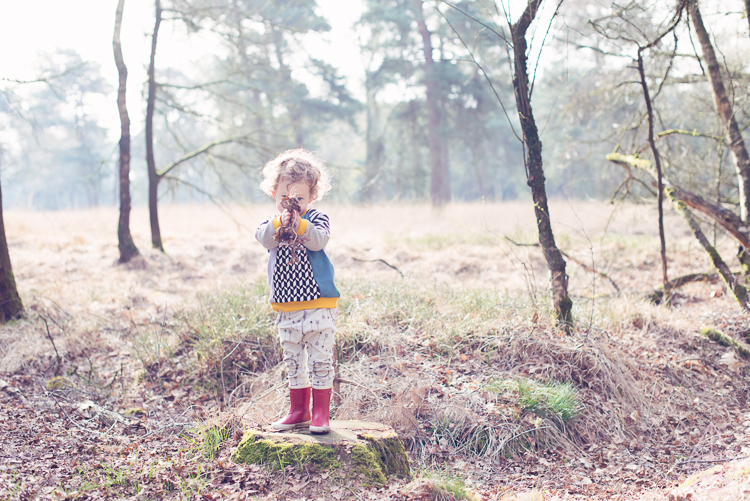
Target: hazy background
347,79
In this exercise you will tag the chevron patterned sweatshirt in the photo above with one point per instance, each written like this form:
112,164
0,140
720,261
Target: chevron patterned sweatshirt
308,283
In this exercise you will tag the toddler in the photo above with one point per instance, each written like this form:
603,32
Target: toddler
302,288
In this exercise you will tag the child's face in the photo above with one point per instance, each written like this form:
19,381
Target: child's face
300,191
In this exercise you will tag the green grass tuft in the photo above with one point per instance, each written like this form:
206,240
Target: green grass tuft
555,401
207,439
233,332
448,486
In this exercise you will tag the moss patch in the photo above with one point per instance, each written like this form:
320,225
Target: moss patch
391,455
361,452
135,411
367,464
60,383
724,340
253,450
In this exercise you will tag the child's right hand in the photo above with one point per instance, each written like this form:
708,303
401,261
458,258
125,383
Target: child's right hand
287,217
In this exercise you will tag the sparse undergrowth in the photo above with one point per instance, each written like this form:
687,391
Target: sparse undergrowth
476,380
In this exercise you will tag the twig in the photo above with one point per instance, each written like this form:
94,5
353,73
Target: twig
269,390
576,261
158,357
712,460
59,362
173,425
380,260
51,394
221,369
114,378
346,381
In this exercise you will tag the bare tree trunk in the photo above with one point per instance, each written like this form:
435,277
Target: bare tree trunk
295,114
127,247
10,302
373,138
724,109
747,10
153,177
659,177
374,141
535,170
440,183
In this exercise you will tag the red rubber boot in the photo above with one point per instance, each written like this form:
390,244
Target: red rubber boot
299,410
321,411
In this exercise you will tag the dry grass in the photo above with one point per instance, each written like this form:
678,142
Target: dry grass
422,348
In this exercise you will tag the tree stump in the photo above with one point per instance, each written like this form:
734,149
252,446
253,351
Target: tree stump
369,452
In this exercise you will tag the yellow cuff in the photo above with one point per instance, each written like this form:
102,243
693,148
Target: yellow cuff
321,302
302,227
277,222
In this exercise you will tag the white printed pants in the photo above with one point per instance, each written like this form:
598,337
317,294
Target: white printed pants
307,338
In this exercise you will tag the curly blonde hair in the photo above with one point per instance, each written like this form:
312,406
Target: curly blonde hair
297,165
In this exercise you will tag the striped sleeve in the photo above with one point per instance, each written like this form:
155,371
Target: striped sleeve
318,232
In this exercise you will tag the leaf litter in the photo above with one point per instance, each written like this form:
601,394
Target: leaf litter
660,401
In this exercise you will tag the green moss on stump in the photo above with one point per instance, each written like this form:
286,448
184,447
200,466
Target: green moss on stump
367,464
255,450
390,455
366,452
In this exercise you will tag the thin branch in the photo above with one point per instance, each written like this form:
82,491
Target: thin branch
544,39
693,133
46,79
59,361
712,460
378,260
204,149
501,35
486,76
568,256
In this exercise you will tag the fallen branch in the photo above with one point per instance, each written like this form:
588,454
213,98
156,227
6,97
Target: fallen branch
728,220
722,339
736,286
712,460
173,425
656,295
59,360
378,260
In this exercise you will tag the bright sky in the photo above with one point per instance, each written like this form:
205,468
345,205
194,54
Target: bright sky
31,27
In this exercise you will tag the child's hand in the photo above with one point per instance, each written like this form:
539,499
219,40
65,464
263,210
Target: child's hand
287,216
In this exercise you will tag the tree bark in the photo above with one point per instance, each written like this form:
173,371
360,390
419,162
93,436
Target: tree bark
724,109
728,220
659,176
11,306
440,183
127,247
153,177
734,285
373,139
535,170
747,10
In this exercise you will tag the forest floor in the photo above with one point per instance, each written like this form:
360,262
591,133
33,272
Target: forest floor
135,381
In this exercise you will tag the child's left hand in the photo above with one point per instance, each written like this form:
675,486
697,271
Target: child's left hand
286,216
